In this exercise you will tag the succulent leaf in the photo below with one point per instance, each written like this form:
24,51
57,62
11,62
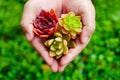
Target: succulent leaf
52,53
57,34
49,42
58,56
65,47
71,44
59,52
59,39
53,48
67,37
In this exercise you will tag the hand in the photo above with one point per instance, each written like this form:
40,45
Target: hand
31,10
85,9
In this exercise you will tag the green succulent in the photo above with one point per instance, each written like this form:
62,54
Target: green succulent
70,24
58,46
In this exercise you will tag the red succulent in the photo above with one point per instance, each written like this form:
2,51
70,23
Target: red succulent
45,24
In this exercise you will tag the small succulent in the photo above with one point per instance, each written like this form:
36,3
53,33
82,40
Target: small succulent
57,46
45,24
70,24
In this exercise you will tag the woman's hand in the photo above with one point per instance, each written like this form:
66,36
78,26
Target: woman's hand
31,10
85,9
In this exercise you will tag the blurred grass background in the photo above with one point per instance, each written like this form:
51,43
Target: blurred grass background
100,60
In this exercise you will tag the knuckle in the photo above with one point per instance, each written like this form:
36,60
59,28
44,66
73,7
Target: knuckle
91,29
22,24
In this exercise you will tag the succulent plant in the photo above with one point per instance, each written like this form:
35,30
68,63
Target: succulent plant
60,34
57,46
45,24
70,24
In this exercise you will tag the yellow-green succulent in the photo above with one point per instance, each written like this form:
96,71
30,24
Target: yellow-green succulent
57,46
70,24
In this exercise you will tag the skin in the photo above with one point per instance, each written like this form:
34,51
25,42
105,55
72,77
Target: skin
83,8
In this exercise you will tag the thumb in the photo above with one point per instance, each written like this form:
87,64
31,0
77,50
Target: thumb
86,34
27,20
88,19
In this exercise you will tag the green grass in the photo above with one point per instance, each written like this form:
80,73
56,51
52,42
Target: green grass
100,60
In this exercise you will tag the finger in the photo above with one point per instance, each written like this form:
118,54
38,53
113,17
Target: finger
88,19
36,43
65,60
54,66
27,20
61,68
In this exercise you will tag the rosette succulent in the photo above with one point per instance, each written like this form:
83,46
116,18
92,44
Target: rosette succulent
70,24
45,24
57,46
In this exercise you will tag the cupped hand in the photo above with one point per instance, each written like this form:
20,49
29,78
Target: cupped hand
85,9
31,10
